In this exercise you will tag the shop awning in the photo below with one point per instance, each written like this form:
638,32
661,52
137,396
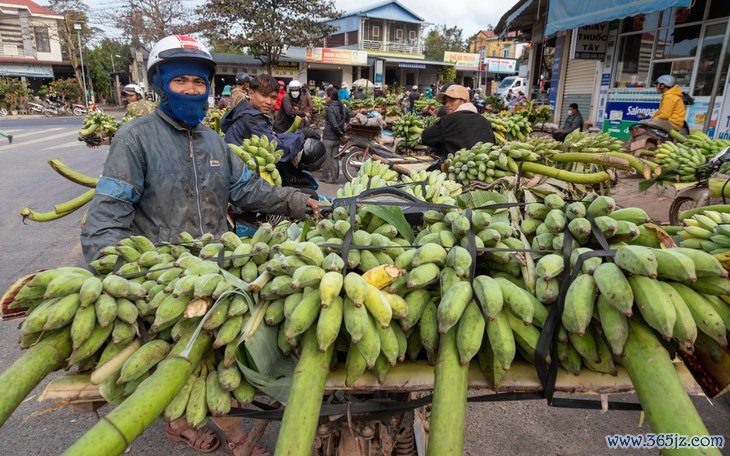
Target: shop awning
569,14
409,63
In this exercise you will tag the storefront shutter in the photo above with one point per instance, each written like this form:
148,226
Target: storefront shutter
580,84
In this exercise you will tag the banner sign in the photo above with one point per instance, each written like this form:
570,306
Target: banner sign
462,61
590,42
337,56
503,66
623,114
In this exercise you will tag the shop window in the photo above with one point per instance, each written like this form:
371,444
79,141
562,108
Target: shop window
718,9
42,41
633,60
680,69
412,35
399,34
679,42
376,31
694,13
709,58
641,22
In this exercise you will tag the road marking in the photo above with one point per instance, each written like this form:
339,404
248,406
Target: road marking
15,145
32,132
63,146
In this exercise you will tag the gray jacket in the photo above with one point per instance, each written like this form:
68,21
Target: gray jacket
161,179
574,122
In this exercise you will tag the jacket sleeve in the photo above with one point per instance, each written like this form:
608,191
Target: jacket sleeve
120,188
288,107
253,194
246,126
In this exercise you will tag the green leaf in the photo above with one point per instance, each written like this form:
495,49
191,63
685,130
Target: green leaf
479,198
394,216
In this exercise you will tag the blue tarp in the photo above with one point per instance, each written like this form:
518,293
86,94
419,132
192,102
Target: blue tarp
569,14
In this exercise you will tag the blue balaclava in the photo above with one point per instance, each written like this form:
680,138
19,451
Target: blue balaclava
187,109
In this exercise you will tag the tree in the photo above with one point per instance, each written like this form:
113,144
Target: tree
102,62
441,39
73,12
267,27
148,21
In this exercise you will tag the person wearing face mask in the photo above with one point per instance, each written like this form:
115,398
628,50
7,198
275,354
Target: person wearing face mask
292,105
462,127
573,122
167,173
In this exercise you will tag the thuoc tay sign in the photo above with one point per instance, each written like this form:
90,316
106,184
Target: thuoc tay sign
589,42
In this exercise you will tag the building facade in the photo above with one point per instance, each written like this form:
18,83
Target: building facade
30,47
609,68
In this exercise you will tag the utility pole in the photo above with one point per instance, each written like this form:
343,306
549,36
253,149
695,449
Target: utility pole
77,27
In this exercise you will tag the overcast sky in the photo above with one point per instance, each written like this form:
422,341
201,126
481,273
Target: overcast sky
470,15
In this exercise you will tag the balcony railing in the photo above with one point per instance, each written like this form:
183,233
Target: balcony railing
392,47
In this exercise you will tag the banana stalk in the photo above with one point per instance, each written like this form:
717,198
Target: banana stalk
667,406
448,413
567,176
25,373
615,160
724,208
70,174
126,422
73,204
301,414
29,214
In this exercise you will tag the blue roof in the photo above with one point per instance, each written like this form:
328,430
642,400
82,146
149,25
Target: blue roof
389,9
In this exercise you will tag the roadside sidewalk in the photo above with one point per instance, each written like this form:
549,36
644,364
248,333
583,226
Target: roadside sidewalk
115,111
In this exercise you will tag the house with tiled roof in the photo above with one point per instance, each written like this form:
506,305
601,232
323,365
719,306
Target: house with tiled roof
30,47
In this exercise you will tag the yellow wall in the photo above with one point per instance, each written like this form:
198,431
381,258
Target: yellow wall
493,47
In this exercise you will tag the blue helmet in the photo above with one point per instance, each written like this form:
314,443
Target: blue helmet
666,79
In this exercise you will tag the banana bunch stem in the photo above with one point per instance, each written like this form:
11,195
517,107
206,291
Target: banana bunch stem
70,174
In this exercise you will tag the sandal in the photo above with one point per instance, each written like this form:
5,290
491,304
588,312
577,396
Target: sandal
203,440
257,451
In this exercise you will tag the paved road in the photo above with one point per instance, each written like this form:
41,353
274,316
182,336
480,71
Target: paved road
508,428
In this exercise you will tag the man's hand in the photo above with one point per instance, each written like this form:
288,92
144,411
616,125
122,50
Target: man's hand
314,204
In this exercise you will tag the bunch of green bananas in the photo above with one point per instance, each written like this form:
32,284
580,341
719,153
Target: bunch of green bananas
509,127
98,127
699,140
409,293
708,231
366,103
487,162
372,174
318,105
423,103
408,128
261,155
393,111
213,119
432,186
581,141
680,161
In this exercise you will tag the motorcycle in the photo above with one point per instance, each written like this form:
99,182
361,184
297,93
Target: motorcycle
55,108
3,112
650,133
356,151
702,193
36,108
81,110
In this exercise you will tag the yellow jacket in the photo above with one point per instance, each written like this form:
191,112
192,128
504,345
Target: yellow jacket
672,107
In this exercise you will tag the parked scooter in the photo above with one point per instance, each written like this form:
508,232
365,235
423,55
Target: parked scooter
650,133
36,108
81,110
56,108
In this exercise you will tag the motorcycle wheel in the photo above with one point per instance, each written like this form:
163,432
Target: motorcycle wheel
3,112
352,162
78,112
99,110
50,112
681,203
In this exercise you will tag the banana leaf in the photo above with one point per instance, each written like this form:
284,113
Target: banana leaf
259,358
394,216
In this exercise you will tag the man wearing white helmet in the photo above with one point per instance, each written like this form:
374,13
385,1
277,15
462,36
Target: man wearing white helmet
292,105
137,106
671,107
167,173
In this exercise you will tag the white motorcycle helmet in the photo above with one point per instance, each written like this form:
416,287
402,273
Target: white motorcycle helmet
294,88
175,47
134,88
